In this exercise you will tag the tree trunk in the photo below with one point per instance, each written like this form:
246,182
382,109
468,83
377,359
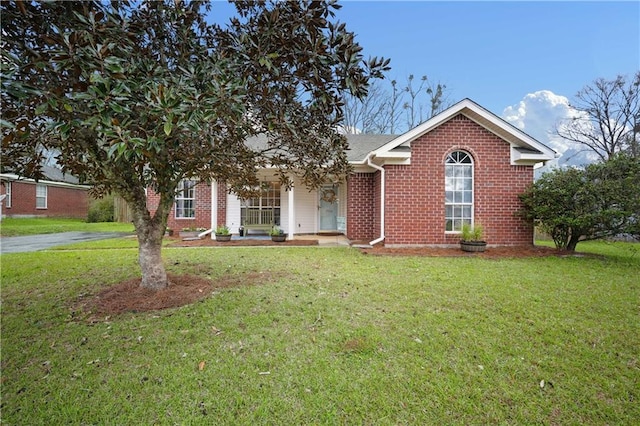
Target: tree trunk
154,276
150,231
573,242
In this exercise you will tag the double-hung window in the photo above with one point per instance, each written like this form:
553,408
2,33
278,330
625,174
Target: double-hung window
186,199
458,182
41,196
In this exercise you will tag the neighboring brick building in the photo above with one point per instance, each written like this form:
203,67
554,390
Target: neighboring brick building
57,196
465,165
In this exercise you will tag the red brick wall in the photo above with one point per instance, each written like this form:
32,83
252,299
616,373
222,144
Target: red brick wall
61,201
415,193
222,204
361,207
202,217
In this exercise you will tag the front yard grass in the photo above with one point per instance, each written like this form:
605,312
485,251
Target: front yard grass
328,336
12,227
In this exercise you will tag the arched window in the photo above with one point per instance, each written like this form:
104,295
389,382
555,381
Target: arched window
458,184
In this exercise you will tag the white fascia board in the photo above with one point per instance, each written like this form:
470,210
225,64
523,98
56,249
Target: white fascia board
395,154
15,178
398,161
506,131
421,129
482,117
527,158
363,168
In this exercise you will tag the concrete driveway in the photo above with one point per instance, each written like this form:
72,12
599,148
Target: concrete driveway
45,241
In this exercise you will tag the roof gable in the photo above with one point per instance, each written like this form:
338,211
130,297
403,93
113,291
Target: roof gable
525,149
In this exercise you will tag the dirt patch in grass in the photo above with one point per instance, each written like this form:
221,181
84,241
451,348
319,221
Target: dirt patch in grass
128,296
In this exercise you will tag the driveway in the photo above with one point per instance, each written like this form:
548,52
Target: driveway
45,241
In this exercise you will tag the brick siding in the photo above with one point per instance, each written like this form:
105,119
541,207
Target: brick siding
361,207
414,209
61,201
202,217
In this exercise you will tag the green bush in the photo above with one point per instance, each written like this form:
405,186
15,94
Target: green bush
101,210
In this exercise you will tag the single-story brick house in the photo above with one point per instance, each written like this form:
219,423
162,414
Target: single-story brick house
415,189
59,195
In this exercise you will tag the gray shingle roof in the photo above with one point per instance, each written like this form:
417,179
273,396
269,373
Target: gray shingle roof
359,145
55,174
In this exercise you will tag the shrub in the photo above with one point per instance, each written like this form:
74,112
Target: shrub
101,210
572,205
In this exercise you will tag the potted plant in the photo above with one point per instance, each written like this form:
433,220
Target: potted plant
223,233
277,234
472,238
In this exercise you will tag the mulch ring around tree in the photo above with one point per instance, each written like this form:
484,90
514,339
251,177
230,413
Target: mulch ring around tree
129,297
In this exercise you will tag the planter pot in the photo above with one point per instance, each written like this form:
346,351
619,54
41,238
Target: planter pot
223,238
473,246
278,238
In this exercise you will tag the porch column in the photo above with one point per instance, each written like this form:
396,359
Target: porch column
214,208
291,215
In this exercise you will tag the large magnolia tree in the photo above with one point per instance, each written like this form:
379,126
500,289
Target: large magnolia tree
137,95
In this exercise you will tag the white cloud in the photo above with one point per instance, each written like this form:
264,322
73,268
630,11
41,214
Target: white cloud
537,115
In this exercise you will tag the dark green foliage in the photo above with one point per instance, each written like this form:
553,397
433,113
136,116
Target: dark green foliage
137,95
101,210
573,205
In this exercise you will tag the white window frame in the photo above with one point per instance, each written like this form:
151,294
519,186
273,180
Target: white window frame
269,198
185,200
41,194
459,191
7,192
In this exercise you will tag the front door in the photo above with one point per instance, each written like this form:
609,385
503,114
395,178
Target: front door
328,208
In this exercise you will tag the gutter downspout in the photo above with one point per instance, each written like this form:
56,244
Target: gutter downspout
382,179
214,209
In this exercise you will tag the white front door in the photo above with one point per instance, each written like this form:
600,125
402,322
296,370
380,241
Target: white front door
328,208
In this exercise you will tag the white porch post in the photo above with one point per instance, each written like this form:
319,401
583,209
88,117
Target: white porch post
214,208
291,215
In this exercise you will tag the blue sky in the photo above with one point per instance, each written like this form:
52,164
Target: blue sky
524,61
497,52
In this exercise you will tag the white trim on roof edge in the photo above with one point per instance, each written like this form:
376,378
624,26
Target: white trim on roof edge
15,178
496,125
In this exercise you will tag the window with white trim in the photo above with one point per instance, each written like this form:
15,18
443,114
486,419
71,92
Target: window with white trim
41,196
268,201
186,200
458,184
7,192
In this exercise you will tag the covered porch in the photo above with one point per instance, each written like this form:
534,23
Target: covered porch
297,211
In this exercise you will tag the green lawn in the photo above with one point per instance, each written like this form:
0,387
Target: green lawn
11,227
331,336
